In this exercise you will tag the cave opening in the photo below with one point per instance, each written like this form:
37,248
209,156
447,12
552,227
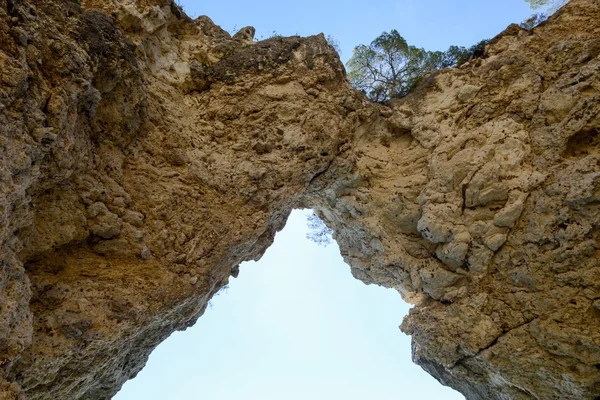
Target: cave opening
293,325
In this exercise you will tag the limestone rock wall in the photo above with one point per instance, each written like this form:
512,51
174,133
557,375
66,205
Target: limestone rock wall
145,155
477,198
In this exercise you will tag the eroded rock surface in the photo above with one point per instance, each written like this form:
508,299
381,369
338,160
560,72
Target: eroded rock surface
145,155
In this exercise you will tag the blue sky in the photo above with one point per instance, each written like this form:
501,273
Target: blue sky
296,325
432,24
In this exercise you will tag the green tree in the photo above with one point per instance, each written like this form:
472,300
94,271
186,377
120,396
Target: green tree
535,4
333,42
390,68
552,5
318,232
534,21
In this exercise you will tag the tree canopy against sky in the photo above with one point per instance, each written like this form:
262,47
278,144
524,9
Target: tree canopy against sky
390,68
552,5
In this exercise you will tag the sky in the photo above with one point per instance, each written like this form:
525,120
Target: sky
431,24
294,326
297,325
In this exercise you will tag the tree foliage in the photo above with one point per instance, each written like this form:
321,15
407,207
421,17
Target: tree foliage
535,4
552,5
390,68
333,42
224,289
534,21
318,232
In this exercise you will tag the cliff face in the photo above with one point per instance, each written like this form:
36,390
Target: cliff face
144,155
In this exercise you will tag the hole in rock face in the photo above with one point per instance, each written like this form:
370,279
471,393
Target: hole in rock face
583,143
295,325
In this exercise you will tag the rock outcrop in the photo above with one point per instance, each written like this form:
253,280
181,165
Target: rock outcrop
145,155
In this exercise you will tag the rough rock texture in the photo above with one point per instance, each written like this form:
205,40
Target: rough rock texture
144,155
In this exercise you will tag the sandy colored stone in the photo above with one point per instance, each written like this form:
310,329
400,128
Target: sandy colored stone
145,155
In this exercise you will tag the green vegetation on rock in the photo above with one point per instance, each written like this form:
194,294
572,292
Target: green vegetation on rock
390,68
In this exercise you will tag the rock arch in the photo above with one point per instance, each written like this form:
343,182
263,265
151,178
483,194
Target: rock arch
145,155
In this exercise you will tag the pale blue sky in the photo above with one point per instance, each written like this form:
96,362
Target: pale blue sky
432,24
296,325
